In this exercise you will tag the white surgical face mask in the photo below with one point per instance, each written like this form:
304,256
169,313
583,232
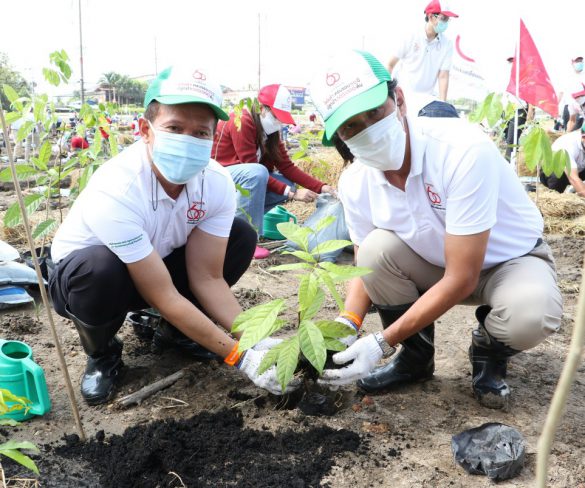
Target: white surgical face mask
270,123
382,145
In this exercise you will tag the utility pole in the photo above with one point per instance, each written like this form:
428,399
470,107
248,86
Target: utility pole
81,55
259,57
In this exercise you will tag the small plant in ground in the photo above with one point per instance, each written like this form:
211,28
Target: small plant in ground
534,141
312,338
12,449
47,169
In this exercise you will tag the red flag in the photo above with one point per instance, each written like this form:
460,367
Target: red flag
535,85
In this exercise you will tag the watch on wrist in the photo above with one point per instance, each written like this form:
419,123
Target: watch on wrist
387,349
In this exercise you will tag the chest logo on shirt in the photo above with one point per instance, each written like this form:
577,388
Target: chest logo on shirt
332,78
195,212
434,197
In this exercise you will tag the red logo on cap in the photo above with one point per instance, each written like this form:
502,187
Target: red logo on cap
198,75
332,78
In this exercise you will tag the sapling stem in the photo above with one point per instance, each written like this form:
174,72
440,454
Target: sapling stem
42,288
562,390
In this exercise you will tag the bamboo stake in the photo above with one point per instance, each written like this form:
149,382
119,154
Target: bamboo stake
44,297
562,391
139,396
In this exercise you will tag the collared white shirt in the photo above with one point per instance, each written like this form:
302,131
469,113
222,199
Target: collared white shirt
125,208
421,61
572,143
459,183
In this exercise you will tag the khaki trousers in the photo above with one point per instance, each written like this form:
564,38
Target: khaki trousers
523,293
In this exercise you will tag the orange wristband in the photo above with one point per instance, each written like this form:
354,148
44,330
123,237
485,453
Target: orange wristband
232,358
354,317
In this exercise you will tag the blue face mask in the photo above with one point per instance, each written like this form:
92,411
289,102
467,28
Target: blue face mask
179,157
578,67
441,26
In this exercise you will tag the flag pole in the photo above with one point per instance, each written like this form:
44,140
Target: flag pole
514,160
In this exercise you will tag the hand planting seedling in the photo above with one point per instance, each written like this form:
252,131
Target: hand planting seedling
312,338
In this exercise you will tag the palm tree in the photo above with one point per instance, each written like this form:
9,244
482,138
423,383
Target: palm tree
110,83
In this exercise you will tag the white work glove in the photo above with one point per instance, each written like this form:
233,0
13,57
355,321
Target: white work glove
249,364
365,353
267,343
348,340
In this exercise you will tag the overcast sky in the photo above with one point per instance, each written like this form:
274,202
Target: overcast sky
295,35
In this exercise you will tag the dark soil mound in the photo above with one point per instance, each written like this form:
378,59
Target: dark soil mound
208,450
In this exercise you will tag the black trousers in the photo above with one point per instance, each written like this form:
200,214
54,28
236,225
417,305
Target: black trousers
95,284
557,184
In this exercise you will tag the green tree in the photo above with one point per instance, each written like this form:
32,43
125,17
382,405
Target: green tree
9,76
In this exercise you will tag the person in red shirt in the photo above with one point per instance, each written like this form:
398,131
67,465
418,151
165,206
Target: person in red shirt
78,143
258,162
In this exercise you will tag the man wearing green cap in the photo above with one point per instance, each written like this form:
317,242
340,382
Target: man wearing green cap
441,219
155,228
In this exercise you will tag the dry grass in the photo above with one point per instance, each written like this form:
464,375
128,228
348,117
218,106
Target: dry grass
559,205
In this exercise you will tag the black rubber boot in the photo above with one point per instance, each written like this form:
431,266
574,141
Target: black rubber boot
489,363
165,336
104,362
413,363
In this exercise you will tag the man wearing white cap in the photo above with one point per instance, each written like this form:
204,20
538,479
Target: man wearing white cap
155,228
439,216
423,59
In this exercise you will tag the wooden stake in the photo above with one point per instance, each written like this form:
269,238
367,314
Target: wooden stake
62,363
557,404
139,396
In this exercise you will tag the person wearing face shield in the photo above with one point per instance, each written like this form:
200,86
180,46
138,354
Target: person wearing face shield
438,215
256,157
422,61
155,227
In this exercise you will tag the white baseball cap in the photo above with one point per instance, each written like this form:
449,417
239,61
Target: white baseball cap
349,83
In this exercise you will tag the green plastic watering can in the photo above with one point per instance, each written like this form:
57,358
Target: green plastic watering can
23,377
275,216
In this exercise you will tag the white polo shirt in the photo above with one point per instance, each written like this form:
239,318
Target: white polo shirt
125,208
458,183
421,61
574,146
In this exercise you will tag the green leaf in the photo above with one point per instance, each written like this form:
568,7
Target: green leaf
329,246
10,422
308,289
44,155
23,172
113,145
334,345
312,344
13,216
244,191
288,359
344,272
12,95
298,155
481,111
44,228
20,458
532,148
12,117
295,233
25,130
290,267
327,280
324,223
258,323
29,446
51,76
333,329
305,256
495,110
314,306
269,359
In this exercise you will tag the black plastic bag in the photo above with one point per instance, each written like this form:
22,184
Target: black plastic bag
326,205
493,449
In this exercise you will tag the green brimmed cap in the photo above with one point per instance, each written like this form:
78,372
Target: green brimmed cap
177,85
350,83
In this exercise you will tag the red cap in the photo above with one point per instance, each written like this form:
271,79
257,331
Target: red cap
278,98
435,8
